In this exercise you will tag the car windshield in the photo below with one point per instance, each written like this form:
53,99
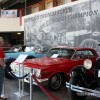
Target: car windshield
19,48
60,53
27,49
15,48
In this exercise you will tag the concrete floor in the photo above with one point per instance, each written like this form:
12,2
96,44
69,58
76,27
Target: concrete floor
11,87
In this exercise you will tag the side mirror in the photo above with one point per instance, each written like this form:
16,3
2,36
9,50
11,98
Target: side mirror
87,63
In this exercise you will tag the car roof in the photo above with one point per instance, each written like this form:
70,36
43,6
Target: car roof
74,48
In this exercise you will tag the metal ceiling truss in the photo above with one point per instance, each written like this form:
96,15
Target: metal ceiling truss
8,3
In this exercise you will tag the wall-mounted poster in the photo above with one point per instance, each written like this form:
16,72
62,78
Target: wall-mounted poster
73,24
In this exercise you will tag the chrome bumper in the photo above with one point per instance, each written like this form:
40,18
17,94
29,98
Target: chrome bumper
41,81
81,91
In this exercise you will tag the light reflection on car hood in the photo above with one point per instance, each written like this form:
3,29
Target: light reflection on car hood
44,61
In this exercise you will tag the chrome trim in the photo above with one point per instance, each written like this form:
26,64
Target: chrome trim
41,81
83,91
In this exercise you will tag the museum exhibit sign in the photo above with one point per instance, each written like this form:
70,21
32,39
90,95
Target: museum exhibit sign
8,13
72,24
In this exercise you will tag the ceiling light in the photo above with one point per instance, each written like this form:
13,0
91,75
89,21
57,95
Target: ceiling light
18,33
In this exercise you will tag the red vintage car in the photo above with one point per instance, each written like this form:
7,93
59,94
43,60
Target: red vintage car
53,69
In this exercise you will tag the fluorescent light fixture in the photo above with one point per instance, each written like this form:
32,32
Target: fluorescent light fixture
18,33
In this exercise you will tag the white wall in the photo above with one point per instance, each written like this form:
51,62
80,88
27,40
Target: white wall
10,24
13,24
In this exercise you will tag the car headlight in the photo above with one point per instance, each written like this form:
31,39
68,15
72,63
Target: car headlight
15,68
37,72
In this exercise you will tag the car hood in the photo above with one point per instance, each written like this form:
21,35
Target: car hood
44,62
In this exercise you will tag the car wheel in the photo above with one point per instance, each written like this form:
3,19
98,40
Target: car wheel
73,94
55,82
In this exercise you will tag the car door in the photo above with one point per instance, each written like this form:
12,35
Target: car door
78,58
92,57
81,55
75,60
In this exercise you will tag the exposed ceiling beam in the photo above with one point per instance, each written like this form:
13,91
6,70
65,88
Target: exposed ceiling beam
9,3
3,1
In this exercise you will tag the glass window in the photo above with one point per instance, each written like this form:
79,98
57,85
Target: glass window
27,49
35,8
48,4
90,53
66,1
83,54
60,53
41,5
58,2
77,55
87,54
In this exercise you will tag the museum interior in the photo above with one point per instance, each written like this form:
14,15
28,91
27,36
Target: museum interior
50,50
26,7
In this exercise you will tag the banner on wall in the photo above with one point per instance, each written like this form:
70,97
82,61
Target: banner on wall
73,24
9,13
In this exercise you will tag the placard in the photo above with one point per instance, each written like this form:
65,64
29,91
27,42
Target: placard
54,56
21,58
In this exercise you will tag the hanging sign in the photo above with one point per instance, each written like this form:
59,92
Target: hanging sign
9,13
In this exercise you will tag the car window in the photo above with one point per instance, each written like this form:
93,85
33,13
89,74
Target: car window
27,49
63,53
60,53
90,53
77,55
16,49
87,53
81,54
